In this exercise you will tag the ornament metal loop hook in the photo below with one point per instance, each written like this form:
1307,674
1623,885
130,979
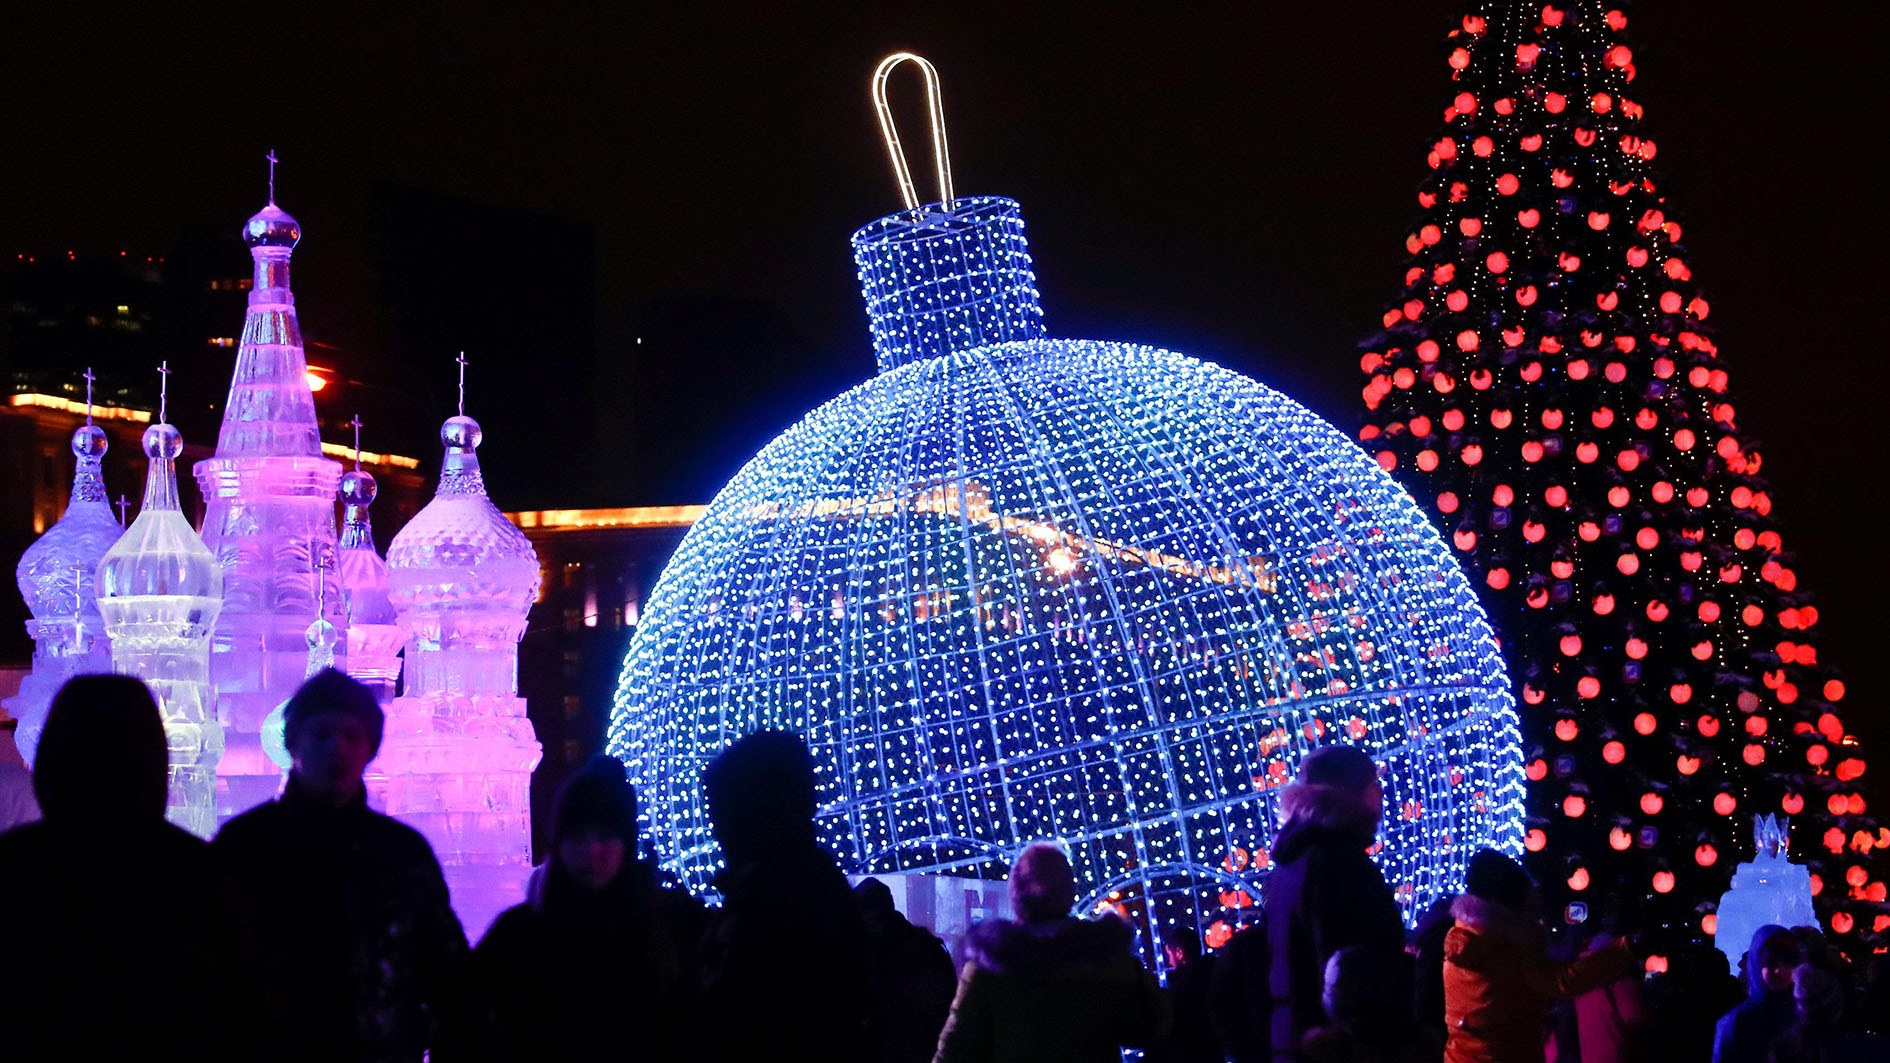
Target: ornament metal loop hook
941,155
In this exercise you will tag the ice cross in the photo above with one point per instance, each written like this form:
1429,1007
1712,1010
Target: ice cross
272,174
88,394
164,387
462,382
356,425
124,504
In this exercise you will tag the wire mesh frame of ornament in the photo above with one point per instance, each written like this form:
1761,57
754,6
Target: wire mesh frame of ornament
1096,593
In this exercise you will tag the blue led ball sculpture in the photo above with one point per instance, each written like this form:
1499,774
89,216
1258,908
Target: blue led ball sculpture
1015,588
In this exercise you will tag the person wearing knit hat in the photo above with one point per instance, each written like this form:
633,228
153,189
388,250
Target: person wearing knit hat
365,955
1324,894
1499,979
600,935
332,728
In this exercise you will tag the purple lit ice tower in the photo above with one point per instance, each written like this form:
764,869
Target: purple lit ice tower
375,636
270,518
159,590
458,755
55,577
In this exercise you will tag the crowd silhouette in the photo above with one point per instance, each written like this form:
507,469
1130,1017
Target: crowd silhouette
314,928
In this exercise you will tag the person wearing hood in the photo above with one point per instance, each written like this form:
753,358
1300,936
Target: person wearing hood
364,958
1323,895
1050,988
1499,979
910,981
785,964
1822,1033
1748,1030
124,939
601,938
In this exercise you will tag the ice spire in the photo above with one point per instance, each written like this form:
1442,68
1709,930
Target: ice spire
375,637
159,591
459,750
55,577
269,518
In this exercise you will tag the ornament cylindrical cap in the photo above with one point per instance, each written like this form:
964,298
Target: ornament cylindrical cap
939,281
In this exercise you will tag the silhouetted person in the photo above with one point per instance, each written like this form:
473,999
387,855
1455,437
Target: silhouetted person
364,957
17,803
785,964
910,981
1050,988
1821,1033
1359,1028
1427,950
1499,979
1191,1029
123,939
1324,895
1747,1031
603,948
1611,1020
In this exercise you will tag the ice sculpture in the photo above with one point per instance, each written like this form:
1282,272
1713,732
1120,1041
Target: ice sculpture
1769,889
270,518
375,637
159,591
321,639
458,753
55,576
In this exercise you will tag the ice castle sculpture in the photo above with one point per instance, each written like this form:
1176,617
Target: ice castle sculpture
1768,889
459,752
375,637
1016,587
56,578
269,518
159,591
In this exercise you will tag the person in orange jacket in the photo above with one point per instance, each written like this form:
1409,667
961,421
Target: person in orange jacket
1498,976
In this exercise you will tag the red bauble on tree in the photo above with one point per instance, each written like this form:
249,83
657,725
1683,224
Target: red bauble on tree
1595,483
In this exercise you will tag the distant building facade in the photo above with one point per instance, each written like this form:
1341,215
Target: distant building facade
599,568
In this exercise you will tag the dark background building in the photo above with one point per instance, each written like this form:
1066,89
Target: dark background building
599,566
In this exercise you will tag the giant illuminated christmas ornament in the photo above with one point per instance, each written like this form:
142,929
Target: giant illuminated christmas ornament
269,498
1546,385
1015,587
159,590
456,763
55,576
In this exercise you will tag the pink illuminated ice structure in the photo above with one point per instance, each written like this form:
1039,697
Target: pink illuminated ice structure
375,637
269,518
458,755
159,590
55,576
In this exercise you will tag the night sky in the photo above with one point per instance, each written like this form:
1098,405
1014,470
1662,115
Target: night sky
1231,180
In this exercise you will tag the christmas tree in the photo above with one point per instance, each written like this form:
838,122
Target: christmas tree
1549,389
